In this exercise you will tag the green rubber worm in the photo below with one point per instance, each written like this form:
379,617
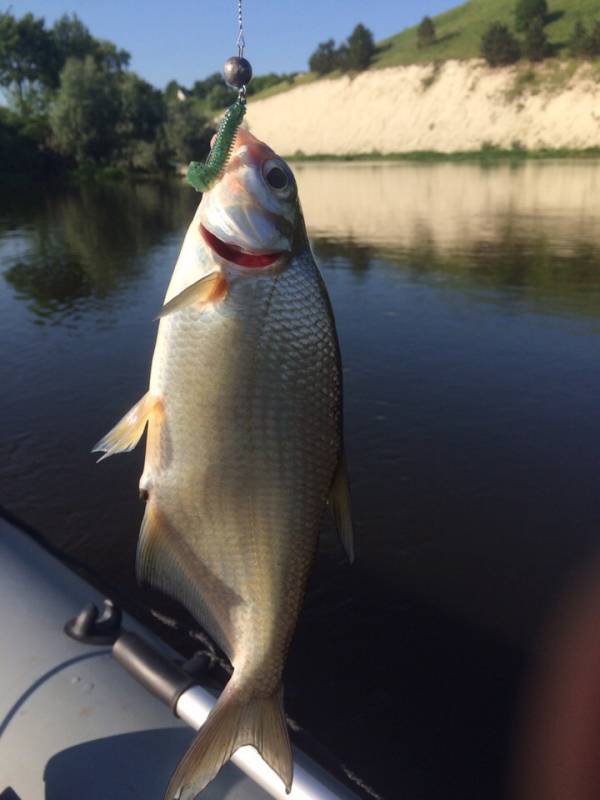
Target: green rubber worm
203,176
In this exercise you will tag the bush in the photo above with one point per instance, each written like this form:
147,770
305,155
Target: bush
592,43
536,44
579,41
528,10
499,46
324,59
426,32
359,48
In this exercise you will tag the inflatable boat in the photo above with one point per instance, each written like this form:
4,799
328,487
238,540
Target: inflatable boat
94,706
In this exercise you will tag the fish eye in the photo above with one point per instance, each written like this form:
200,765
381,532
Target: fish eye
278,177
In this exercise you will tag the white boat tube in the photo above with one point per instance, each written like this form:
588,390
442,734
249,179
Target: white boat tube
74,723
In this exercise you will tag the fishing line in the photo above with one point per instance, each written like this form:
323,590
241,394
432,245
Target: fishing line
238,73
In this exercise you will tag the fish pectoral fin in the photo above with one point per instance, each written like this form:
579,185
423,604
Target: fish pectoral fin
212,288
339,500
128,431
235,722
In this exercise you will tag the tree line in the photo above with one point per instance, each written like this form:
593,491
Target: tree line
74,102
354,54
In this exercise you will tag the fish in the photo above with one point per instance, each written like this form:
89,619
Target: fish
244,447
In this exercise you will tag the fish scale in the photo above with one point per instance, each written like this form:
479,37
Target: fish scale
244,448
278,435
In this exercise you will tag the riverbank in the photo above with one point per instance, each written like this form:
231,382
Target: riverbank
438,110
484,154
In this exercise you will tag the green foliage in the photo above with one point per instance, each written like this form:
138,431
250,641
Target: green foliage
142,113
360,49
585,43
579,40
592,42
28,58
19,150
426,32
536,46
72,39
188,131
86,112
526,11
499,46
324,58
355,53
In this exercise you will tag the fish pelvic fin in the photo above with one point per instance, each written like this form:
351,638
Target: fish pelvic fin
233,723
128,431
211,288
339,500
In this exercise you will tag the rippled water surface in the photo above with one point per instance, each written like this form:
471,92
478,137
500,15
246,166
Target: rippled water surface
468,306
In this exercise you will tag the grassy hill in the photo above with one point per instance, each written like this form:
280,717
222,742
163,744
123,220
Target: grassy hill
459,30
459,33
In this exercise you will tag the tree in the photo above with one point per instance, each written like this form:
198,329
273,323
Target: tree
528,10
360,48
142,112
27,58
426,32
592,44
110,57
323,60
579,41
188,132
499,46
72,39
86,112
536,44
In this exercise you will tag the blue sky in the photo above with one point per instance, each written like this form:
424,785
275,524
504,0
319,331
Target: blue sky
189,39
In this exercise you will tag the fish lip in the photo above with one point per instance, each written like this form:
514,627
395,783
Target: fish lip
235,254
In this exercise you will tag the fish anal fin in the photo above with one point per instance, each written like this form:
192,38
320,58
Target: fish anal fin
235,722
128,431
211,288
339,500
167,562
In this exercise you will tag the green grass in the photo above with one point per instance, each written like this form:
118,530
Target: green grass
459,33
459,30
487,154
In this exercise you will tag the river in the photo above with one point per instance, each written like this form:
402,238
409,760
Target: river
467,300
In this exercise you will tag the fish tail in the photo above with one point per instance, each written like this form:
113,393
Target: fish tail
233,723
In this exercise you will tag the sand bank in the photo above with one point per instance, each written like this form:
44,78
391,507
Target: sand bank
456,106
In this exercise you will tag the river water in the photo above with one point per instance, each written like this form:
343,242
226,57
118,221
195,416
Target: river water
467,300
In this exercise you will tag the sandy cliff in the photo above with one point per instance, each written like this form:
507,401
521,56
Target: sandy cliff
455,106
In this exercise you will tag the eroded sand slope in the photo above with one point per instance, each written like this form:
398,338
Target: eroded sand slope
461,106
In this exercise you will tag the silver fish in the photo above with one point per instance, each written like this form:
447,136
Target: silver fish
244,447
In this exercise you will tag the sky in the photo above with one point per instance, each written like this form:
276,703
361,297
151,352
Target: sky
186,40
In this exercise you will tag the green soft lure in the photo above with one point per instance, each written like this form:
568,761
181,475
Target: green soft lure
203,176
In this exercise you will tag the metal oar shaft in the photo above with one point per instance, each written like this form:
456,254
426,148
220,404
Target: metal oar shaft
191,703
310,781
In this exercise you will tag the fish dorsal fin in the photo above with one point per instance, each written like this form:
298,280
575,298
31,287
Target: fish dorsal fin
339,500
211,288
128,430
166,561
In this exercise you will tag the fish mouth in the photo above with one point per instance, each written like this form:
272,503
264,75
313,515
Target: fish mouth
235,254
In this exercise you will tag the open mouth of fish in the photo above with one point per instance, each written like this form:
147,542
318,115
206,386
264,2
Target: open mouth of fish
235,254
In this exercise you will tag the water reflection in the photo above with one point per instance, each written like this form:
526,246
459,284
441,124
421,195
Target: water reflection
535,227
85,242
